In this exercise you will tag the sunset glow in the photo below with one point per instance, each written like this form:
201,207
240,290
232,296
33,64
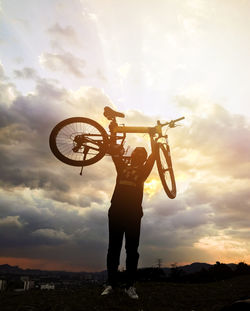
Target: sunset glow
152,186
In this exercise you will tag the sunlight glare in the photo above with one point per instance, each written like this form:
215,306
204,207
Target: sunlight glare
152,186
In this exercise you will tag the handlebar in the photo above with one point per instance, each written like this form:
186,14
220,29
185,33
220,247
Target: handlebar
170,123
176,120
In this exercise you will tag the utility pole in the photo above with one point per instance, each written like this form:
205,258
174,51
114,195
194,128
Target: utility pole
159,262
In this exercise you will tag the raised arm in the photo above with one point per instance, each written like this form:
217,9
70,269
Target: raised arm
116,152
148,166
117,159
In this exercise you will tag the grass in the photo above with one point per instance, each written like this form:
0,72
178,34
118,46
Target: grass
153,297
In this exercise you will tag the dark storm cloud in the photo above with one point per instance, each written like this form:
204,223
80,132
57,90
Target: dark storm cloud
25,157
173,222
12,175
35,212
46,230
34,110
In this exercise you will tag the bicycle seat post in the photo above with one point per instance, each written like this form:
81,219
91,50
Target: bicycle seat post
113,124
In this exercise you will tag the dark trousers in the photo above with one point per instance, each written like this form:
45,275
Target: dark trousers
118,226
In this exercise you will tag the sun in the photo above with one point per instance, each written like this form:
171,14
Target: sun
152,186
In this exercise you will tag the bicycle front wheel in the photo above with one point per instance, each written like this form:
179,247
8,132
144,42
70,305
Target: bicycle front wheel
78,141
165,169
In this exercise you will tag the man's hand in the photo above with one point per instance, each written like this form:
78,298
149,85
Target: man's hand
116,150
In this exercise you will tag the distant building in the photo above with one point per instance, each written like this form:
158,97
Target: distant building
2,285
28,285
48,286
88,277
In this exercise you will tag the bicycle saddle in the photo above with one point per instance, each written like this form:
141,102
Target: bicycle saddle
110,113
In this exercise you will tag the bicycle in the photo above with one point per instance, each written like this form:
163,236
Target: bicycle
81,141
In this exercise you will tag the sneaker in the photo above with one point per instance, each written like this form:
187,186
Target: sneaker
108,290
131,292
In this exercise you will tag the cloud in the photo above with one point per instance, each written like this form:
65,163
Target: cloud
211,164
214,141
58,215
1,71
226,246
68,214
8,90
43,226
10,221
100,75
25,73
62,36
25,126
61,31
65,62
51,234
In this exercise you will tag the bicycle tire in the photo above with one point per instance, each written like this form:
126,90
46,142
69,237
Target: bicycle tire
165,169
62,141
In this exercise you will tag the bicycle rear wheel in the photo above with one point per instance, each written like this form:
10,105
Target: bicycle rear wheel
78,141
165,169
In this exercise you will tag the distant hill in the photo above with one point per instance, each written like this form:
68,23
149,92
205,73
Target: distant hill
15,270
188,269
7,269
10,269
195,267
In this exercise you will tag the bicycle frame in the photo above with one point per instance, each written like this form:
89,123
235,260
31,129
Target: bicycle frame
115,128
138,129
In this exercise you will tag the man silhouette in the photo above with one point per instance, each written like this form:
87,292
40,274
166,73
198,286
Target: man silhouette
125,215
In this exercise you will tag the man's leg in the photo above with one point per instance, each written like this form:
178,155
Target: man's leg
116,232
132,235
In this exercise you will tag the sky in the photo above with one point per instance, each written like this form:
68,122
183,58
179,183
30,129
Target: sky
152,60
